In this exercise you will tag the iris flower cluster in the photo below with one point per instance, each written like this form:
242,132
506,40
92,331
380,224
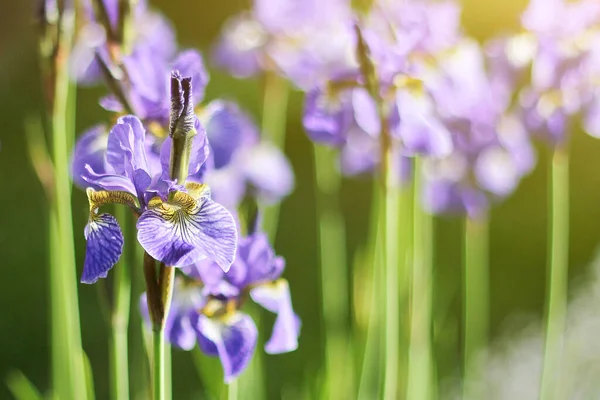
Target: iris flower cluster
206,307
445,98
156,92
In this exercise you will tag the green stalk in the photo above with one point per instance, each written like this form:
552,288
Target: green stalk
476,293
168,378
232,390
419,348
334,274
159,364
369,385
274,114
64,273
61,385
389,241
388,224
119,362
558,274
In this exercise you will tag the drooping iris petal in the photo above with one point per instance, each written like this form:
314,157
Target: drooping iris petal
232,338
185,229
276,298
89,150
104,247
326,118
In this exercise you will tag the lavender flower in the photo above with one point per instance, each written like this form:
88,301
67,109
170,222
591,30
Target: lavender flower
242,163
563,66
206,307
98,38
177,224
491,147
304,41
399,40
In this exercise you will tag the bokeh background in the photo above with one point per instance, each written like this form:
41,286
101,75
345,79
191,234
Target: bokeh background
518,229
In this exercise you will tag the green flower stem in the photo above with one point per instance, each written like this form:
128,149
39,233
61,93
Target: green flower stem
334,274
476,292
158,366
388,224
419,351
558,274
232,390
168,376
119,361
369,385
274,115
65,313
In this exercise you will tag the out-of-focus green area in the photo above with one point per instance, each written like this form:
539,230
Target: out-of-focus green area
518,231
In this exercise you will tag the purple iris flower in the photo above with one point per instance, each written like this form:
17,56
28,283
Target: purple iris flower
492,150
149,83
207,302
563,65
152,34
242,163
177,224
348,119
305,41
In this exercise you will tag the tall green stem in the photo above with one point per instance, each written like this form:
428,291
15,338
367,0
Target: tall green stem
388,224
119,362
369,384
232,390
558,274
158,367
334,274
274,114
476,293
64,275
419,352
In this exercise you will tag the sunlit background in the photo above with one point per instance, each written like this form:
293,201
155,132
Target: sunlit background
518,229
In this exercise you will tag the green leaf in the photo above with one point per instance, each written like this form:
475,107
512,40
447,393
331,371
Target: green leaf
21,387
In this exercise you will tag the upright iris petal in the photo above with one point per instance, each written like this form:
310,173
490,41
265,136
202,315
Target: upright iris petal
188,228
232,338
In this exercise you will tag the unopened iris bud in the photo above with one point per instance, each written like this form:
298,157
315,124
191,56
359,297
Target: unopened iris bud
367,67
181,127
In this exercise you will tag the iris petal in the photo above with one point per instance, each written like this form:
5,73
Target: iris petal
276,298
232,338
187,229
104,247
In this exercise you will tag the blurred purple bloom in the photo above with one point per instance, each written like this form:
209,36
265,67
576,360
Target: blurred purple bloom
492,151
152,34
150,82
241,46
206,306
304,41
242,163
